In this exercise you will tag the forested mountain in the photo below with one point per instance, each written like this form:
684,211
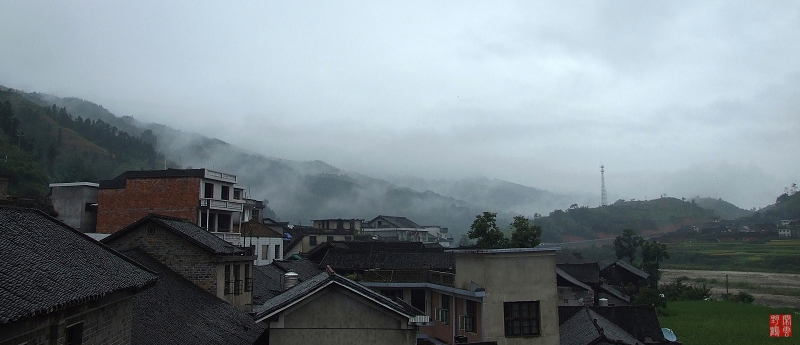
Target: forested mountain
722,208
609,221
68,139
48,144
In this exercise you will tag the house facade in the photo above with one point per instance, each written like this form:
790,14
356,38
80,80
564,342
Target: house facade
220,268
204,197
402,229
266,243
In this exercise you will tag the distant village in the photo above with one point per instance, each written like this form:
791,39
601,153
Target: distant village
185,256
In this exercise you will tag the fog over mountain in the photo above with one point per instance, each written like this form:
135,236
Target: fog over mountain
675,98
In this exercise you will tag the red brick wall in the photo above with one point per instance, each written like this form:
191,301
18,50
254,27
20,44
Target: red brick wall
175,197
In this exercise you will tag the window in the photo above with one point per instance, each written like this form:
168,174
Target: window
228,281
329,238
469,322
348,238
208,192
226,193
521,318
74,334
443,314
237,194
265,252
277,252
237,281
312,240
248,281
256,215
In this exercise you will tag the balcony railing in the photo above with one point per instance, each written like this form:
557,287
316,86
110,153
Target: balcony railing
223,205
404,276
216,175
233,238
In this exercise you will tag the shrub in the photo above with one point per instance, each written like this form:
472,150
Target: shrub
678,291
742,296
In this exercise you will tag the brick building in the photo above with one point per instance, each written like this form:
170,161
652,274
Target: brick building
61,287
220,268
207,198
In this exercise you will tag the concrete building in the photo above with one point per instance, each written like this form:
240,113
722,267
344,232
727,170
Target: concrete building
402,229
220,268
204,197
267,244
521,301
61,287
76,204
306,238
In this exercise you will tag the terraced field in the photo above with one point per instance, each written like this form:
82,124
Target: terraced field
776,256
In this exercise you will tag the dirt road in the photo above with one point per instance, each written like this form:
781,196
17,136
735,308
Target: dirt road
770,289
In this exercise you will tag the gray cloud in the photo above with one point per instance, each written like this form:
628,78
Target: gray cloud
670,96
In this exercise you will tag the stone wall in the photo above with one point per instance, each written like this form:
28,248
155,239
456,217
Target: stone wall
107,324
175,197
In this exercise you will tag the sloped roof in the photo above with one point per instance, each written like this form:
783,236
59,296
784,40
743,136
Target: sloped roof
587,327
48,266
628,267
267,278
560,274
388,260
640,321
395,222
307,288
186,229
614,292
254,228
176,311
588,273
563,257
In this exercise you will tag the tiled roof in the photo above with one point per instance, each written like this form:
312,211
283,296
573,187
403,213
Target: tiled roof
185,229
588,273
119,181
563,257
267,278
640,321
628,267
387,260
319,252
587,327
253,228
394,222
568,279
47,266
176,311
614,292
306,288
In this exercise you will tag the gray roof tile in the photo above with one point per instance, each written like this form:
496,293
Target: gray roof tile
46,265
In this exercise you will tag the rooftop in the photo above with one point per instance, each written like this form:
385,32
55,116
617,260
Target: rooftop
48,266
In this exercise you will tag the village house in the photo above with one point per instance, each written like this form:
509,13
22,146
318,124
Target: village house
402,229
218,267
61,287
507,296
205,197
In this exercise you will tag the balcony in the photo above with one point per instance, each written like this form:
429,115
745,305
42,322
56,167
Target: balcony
222,205
409,276
219,176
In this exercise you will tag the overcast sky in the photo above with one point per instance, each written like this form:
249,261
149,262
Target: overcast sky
674,97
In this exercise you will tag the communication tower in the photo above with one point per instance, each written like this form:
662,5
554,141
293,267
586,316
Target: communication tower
603,196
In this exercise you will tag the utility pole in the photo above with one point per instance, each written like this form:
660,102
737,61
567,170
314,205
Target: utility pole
603,196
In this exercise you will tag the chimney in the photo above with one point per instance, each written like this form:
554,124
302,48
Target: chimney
289,280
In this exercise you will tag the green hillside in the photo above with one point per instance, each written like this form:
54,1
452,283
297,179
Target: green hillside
722,208
49,144
653,215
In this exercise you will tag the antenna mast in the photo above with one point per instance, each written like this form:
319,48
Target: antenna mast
603,196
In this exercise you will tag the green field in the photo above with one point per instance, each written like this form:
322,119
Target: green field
777,256
725,323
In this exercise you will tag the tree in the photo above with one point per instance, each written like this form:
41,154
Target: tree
783,197
652,255
525,235
625,245
485,230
